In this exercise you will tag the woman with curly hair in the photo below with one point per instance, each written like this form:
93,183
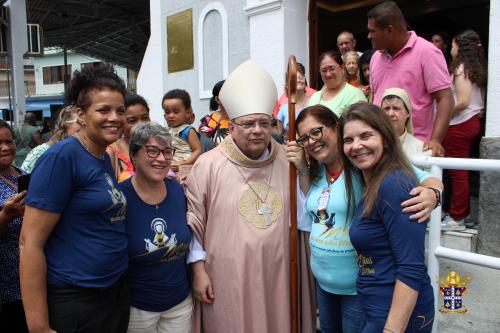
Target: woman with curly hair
73,243
67,125
468,72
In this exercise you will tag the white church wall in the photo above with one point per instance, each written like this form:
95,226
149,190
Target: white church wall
267,31
493,111
267,36
150,79
297,31
154,80
278,28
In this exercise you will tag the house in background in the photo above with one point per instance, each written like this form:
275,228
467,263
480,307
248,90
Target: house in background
49,78
5,84
44,81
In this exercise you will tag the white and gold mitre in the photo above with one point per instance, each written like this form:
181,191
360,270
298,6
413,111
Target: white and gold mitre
249,89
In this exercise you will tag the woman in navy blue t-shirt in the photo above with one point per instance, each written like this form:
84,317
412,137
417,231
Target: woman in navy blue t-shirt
73,241
393,284
158,237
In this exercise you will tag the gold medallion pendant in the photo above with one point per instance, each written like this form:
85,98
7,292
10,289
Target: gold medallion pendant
261,214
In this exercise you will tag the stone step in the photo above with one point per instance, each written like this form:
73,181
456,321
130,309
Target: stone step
459,240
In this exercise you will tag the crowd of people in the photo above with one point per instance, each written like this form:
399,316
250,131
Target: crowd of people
131,226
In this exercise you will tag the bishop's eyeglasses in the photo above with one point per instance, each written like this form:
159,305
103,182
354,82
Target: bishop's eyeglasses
248,124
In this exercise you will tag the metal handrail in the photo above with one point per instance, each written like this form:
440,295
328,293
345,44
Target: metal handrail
437,164
471,164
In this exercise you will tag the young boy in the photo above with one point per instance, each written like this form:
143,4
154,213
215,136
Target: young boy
176,105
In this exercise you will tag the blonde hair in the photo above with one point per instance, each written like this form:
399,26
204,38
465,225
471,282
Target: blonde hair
356,57
66,116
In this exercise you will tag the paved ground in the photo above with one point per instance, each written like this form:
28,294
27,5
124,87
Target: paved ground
482,301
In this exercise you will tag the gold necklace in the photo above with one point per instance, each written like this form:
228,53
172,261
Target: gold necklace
264,210
80,139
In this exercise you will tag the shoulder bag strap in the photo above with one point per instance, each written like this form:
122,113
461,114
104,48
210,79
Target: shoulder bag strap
19,129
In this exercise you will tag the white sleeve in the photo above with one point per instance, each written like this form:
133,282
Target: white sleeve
196,251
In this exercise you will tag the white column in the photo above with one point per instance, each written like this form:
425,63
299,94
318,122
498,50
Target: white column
151,79
17,44
493,117
297,31
278,29
266,18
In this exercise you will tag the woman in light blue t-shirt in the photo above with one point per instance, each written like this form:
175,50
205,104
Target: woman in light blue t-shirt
333,258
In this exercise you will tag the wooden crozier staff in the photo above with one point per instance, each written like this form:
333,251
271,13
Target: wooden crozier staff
292,91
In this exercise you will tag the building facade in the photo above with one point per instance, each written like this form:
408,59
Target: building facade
228,32
224,34
44,80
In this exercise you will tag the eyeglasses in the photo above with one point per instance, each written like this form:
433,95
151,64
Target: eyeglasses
315,134
329,69
252,124
154,152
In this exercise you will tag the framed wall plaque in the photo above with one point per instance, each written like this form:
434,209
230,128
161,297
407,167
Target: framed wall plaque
180,41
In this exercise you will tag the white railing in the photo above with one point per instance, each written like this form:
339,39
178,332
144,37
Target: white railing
437,164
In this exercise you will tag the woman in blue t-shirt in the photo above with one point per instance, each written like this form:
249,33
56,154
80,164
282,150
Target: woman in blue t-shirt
393,284
333,258
73,241
158,237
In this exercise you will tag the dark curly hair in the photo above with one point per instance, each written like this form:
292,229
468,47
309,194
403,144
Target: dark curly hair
365,59
134,99
471,55
92,78
215,93
181,94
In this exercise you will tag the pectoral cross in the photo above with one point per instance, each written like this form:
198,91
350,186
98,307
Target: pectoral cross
266,212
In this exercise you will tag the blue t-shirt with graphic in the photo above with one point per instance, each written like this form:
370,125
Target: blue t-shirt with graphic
158,244
333,258
88,246
391,247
